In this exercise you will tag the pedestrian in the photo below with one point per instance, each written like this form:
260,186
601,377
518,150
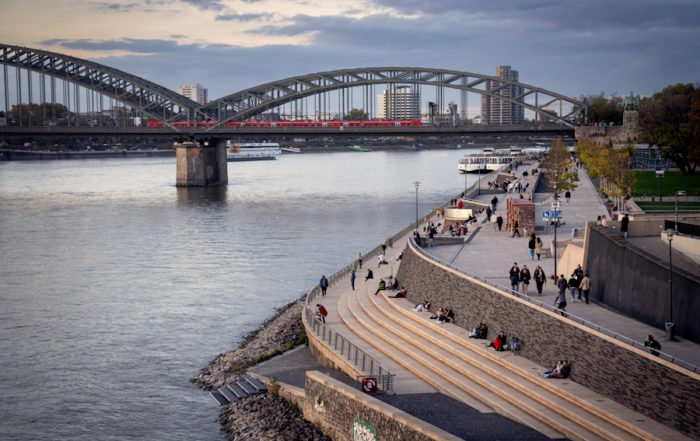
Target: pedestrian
494,203
352,280
494,218
578,273
540,279
369,275
514,277
384,247
324,285
380,260
653,344
499,221
624,224
538,247
488,212
359,259
567,195
531,245
321,311
585,287
573,288
524,279
516,228
561,284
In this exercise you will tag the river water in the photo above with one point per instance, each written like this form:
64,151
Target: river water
116,287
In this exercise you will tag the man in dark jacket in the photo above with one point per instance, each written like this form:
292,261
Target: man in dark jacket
525,278
324,285
514,277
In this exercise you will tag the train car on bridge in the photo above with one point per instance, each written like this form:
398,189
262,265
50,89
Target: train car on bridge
304,124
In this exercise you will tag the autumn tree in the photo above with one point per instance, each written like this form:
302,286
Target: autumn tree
560,168
610,164
667,120
357,115
601,109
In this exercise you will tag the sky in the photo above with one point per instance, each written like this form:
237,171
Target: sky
581,47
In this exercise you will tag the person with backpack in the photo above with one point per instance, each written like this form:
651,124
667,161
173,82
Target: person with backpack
323,283
323,312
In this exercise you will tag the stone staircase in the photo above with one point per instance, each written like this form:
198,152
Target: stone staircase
443,356
240,389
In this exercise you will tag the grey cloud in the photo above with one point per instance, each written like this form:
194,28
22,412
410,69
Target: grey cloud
206,5
244,17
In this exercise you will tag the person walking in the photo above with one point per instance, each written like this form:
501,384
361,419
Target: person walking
573,288
578,273
531,245
494,218
323,283
585,287
488,213
516,229
359,259
561,284
624,225
352,280
525,279
514,277
494,203
321,312
499,221
538,247
540,279
567,196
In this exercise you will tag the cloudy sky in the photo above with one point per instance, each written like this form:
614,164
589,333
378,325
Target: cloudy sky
572,47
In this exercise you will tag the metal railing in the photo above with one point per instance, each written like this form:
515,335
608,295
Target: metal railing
663,355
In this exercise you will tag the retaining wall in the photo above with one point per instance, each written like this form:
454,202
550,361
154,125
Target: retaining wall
635,282
344,413
632,377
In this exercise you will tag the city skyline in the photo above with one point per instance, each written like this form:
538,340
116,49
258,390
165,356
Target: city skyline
230,45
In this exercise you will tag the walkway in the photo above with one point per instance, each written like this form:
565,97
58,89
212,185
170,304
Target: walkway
491,254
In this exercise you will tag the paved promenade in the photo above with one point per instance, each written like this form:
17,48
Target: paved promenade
491,254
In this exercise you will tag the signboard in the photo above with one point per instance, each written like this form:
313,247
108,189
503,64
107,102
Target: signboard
369,385
545,215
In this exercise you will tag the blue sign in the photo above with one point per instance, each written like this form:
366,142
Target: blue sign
545,214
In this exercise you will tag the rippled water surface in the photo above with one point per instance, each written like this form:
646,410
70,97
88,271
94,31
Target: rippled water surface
116,287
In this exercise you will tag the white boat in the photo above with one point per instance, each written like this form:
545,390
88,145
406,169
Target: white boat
291,149
485,162
252,151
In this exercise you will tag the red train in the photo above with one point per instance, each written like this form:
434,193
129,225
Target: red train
278,124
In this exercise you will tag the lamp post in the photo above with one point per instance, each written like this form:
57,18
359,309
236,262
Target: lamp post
659,175
479,181
670,327
675,210
417,184
555,216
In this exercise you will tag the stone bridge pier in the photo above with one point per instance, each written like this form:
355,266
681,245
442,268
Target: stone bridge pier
201,163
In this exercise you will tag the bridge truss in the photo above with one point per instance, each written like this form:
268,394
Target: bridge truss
38,80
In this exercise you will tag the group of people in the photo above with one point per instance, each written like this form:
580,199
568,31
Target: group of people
579,284
535,246
481,331
443,315
520,278
562,370
501,343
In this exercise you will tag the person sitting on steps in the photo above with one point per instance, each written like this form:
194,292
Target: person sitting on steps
400,294
561,371
425,306
382,286
480,331
499,342
369,275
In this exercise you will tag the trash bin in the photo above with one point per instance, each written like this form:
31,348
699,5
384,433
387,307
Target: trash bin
670,330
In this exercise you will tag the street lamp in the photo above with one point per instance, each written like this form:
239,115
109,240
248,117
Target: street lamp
555,217
659,175
670,327
479,181
417,184
675,211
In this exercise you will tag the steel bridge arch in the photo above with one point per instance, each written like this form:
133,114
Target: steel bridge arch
142,95
256,100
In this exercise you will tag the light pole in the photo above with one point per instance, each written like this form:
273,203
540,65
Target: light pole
555,215
675,211
479,181
670,327
417,184
465,183
659,175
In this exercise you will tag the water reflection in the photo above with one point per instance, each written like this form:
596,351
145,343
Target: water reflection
188,196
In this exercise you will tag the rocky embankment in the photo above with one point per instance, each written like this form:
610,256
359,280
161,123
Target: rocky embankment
278,334
267,417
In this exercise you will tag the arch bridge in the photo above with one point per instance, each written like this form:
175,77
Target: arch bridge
36,81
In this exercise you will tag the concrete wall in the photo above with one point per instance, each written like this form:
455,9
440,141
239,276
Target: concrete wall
636,283
570,259
200,166
340,410
653,387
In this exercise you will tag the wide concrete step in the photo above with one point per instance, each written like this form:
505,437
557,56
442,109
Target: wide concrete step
442,377
474,362
598,413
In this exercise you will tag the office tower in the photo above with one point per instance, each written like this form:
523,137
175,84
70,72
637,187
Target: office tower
195,92
400,102
498,111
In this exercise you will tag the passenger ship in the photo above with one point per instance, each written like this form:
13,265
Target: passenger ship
253,151
489,160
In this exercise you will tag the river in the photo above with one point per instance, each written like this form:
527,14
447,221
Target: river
116,287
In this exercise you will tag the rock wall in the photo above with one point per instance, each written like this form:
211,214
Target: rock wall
632,377
346,414
636,283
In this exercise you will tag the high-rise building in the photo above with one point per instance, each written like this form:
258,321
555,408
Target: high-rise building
195,92
496,110
402,103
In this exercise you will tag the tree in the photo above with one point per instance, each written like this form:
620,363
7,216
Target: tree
601,109
610,164
668,120
357,115
560,170
35,113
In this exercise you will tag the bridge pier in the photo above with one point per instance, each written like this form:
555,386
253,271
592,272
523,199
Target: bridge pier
201,163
